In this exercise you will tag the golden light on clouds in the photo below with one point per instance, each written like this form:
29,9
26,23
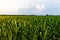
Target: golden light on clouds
11,6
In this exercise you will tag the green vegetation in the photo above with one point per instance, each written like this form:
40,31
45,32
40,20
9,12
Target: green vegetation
29,27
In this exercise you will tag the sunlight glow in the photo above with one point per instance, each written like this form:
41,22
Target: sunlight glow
8,5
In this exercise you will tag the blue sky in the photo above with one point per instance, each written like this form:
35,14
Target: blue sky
30,7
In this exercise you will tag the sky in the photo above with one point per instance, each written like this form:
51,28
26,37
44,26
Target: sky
30,7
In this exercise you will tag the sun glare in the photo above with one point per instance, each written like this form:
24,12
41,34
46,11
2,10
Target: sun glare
8,5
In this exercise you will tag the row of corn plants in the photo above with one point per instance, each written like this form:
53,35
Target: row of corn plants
29,28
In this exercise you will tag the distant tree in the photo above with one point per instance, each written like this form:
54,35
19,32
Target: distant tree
46,14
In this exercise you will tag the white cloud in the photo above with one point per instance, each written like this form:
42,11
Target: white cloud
40,7
7,6
25,7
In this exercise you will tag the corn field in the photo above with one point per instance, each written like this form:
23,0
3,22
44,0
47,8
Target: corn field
29,27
